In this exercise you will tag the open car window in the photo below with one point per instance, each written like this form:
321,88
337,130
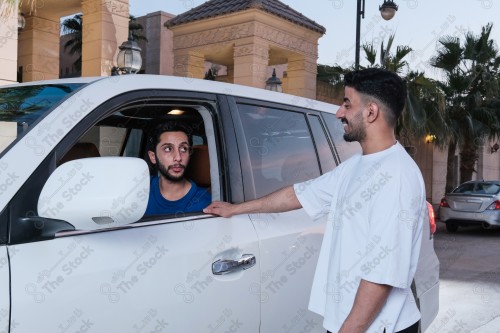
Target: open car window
118,128
126,132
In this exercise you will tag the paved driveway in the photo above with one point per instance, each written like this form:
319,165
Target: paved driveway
470,280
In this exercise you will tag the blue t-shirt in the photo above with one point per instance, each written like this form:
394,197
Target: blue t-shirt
194,201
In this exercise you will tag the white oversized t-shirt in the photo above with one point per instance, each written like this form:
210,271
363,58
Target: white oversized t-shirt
376,208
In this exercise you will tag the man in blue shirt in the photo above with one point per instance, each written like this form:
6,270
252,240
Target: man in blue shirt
169,149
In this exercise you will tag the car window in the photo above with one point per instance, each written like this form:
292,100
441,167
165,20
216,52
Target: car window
325,152
280,146
465,188
21,106
486,188
124,133
335,128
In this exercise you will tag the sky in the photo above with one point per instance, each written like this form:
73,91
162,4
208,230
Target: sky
417,23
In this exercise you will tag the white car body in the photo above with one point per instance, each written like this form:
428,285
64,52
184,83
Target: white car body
117,273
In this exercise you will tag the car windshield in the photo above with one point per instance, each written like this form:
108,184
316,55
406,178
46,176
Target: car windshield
21,106
478,188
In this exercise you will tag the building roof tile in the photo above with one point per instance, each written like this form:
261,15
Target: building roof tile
215,8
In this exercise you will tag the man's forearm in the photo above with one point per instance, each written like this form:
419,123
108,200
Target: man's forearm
370,298
279,201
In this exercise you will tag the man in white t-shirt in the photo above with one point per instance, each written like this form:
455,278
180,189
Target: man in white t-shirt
376,206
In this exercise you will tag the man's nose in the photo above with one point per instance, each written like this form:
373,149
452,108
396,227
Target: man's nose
177,155
340,113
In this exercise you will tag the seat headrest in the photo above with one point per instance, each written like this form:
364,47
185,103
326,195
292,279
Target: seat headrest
198,168
80,150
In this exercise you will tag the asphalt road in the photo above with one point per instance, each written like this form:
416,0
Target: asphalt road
469,280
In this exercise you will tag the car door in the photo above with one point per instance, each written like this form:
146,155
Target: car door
278,149
153,276
4,289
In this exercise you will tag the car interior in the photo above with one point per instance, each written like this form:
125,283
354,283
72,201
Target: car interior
126,131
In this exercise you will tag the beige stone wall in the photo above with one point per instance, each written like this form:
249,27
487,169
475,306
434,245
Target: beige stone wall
488,165
39,48
329,94
439,174
423,154
105,28
8,47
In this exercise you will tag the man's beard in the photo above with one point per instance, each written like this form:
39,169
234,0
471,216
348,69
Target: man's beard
358,132
165,172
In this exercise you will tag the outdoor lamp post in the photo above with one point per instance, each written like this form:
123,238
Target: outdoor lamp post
128,60
387,10
273,83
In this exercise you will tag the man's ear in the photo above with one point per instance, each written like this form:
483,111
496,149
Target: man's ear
152,156
373,112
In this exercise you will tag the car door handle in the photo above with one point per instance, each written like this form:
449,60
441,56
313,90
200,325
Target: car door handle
223,266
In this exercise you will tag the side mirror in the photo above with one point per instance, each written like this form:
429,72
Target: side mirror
96,193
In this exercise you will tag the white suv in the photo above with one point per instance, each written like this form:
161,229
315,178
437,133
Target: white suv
76,253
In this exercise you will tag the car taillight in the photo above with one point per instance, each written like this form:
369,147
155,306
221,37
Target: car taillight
444,203
495,205
432,218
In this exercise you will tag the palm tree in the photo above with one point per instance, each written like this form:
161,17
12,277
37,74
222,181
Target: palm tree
471,71
74,27
7,6
135,30
424,108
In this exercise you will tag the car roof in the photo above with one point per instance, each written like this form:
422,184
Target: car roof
481,181
147,81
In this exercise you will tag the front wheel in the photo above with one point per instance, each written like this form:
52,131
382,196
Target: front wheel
451,227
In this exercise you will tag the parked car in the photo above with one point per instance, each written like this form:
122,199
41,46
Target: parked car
472,203
76,252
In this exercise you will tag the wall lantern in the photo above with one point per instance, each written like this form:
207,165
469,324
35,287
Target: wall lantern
274,83
128,60
430,138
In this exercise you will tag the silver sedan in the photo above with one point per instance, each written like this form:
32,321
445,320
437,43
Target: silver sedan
472,203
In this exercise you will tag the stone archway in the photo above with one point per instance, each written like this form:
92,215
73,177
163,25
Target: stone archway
105,27
247,42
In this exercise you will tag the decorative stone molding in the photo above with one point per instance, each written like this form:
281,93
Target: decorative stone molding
190,59
214,36
227,34
286,40
302,64
42,24
114,7
252,49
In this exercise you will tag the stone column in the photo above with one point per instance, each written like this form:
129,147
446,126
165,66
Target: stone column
230,74
250,63
157,55
38,49
105,28
302,76
8,46
189,64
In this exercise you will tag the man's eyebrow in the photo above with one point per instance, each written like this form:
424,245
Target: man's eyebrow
173,144
347,100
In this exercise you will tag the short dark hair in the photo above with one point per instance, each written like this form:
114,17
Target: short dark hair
167,126
383,85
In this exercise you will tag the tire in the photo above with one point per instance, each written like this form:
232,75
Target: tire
451,227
